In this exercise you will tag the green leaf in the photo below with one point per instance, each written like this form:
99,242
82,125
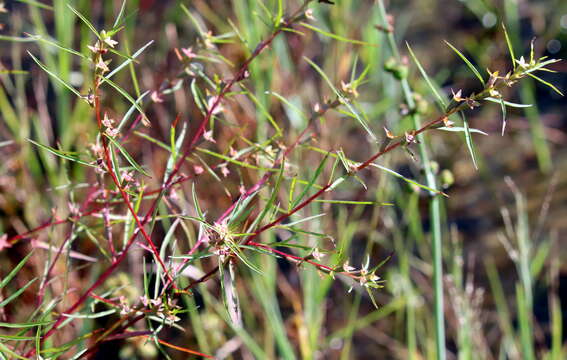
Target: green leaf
196,203
335,36
15,270
5,350
344,100
17,293
120,14
55,76
510,47
57,45
469,64
16,337
315,176
85,20
546,83
16,38
503,107
461,129
352,202
408,180
128,157
234,161
91,316
131,111
469,141
128,97
37,4
62,154
432,87
127,61
507,103
14,72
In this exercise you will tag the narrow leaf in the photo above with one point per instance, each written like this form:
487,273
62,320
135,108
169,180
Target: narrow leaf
344,100
510,47
503,107
120,14
55,76
469,141
15,271
17,293
62,154
85,20
546,83
129,98
469,64
335,36
126,155
507,103
432,87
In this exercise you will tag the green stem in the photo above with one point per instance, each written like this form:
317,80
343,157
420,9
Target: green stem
434,205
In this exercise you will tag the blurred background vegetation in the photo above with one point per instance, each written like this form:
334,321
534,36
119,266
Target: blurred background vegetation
505,282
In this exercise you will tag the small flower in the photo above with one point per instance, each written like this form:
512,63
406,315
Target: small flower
492,79
198,169
373,277
108,122
127,176
349,89
317,254
317,108
347,268
102,65
100,169
458,95
224,169
209,40
471,103
213,101
3,7
73,208
156,97
309,14
189,52
124,307
156,302
108,40
494,93
410,137
171,317
112,132
448,123
97,150
89,98
208,135
522,63
4,244
97,48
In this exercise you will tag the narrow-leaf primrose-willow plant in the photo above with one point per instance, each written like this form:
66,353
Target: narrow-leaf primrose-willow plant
237,230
